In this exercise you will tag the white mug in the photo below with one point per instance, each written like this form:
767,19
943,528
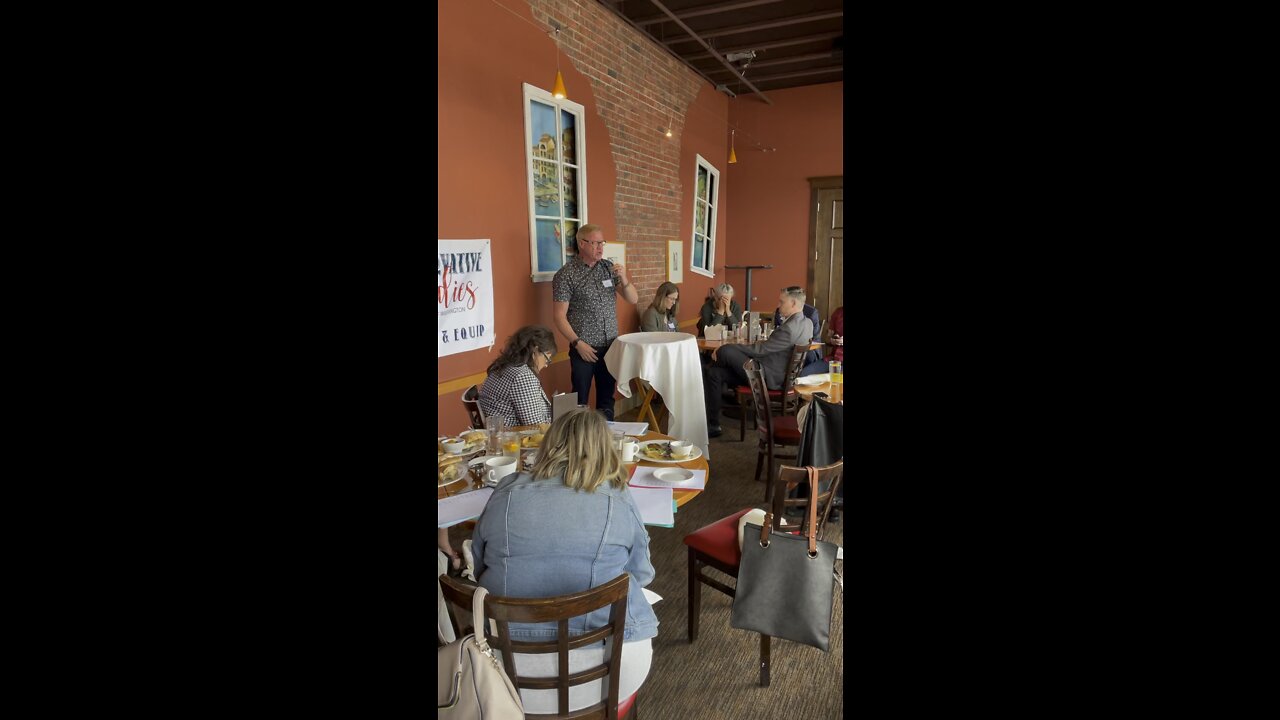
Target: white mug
497,468
629,450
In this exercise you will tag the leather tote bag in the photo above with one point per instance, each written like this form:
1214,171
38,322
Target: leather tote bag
786,583
471,683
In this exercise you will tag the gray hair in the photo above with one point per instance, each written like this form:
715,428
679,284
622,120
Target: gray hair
586,230
796,292
724,289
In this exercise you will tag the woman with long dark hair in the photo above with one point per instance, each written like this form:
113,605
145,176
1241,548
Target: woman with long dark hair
512,390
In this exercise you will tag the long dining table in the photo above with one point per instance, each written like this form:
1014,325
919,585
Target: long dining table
465,484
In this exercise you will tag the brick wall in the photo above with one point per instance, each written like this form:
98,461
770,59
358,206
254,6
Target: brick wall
636,85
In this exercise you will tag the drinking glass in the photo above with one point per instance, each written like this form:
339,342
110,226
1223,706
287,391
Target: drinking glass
837,381
497,426
511,444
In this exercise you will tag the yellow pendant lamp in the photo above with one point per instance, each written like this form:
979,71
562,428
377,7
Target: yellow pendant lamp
733,156
558,91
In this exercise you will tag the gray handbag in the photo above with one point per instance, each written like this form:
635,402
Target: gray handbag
471,685
786,583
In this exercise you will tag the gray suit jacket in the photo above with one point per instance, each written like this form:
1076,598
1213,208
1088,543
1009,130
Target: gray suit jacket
775,353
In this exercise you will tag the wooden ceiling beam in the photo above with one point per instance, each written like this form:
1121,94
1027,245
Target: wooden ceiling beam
705,10
751,27
658,4
771,45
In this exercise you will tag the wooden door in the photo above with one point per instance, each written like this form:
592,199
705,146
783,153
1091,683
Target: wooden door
826,245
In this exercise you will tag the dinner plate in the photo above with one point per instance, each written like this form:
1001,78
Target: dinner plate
697,453
811,380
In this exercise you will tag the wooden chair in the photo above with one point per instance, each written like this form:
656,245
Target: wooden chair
787,399
716,545
506,610
773,432
471,401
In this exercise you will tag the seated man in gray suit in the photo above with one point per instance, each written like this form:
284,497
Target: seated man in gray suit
773,354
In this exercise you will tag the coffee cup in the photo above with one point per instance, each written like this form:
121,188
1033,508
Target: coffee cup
497,468
681,449
629,448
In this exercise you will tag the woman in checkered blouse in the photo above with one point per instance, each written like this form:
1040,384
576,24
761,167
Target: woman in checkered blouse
512,391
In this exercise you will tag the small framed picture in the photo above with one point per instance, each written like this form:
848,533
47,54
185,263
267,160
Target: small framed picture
675,260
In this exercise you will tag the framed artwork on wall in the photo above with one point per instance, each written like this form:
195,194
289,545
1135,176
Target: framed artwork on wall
616,253
675,271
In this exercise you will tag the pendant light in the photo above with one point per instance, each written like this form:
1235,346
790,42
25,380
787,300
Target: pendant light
558,91
733,156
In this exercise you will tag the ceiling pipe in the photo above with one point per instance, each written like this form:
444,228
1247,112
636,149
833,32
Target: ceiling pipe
710,49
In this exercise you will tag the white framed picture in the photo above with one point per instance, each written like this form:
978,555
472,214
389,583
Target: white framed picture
675,271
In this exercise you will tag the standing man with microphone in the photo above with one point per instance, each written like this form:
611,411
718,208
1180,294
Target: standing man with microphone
584,293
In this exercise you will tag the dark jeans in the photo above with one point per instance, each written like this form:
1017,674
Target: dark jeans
582,373
815,368
725,369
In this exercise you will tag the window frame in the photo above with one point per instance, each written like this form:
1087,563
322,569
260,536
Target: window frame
532,93
713,204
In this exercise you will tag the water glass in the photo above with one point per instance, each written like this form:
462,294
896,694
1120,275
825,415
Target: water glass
496,428
511,444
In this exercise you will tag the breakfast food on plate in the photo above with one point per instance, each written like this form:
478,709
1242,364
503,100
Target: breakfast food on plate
531,441
658,451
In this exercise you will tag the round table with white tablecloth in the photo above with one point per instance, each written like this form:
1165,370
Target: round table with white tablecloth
669,362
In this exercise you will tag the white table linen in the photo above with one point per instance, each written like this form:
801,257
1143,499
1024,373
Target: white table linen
669,362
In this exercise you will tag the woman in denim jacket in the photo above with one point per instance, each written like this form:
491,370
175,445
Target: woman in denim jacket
568,526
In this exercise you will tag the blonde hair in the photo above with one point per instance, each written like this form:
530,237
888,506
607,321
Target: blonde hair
586,230
579,447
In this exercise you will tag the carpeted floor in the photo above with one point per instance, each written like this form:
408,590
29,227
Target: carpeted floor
716,678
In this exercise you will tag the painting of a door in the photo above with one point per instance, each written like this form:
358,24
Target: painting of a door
826,244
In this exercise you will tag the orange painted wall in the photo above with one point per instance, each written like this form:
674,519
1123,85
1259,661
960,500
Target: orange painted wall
769,192
705,132
484,54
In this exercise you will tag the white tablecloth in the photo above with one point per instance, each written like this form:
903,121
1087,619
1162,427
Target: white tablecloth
669,362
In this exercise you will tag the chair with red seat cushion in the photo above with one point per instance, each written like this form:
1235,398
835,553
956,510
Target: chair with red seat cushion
716,545
787,399
773,432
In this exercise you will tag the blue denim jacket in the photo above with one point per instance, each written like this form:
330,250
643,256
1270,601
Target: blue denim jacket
542,539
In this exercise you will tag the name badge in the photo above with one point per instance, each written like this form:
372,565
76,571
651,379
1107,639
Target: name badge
608,283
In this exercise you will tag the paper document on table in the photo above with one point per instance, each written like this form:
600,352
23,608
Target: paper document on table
651,596
655,506
467,506
630,428
643,477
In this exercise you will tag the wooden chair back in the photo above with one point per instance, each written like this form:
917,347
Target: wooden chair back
791,477
760,400
790,398
560,609
471,401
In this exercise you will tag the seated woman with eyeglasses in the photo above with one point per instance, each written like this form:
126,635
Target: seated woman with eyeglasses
569,525
512,391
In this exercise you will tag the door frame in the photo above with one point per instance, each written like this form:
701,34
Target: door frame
827,182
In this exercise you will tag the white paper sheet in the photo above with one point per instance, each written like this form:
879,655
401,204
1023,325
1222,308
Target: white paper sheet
456,509
656,506
651,596
630,428
643,477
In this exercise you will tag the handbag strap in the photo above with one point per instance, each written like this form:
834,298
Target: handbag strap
477,617
813,511
812,534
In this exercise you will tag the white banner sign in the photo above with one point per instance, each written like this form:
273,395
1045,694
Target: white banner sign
464,296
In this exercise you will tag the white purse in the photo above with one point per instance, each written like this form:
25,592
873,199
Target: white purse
471,684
